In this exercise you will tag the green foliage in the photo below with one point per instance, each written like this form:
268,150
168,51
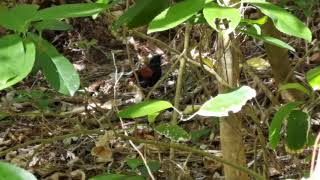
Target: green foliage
279,117
144,109
17,58
297,131
173,132
57,69
52,24
197,135
175,15
222,104
138,164
37,98
296,86
283,20
141,13
70,11
213,11
313,78
12,172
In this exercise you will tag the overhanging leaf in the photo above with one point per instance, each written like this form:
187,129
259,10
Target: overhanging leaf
144,109
173,132
279,117
297,131
283,20
213,11
268,39
57,69
18,18
296,86
222,104
175,15
17,58
70,11
52,24
141,13
10,171
313,78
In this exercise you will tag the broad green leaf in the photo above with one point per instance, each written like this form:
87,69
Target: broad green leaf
175,15
222,104
213,11
12,172
279,117
144,109
116,177
296,86
100,2
134,163
313,78
18,18
260,21
152,117
173,132
57,69
268,39
141,13
16,58
52,24
70,11
283,20
138,164
297,131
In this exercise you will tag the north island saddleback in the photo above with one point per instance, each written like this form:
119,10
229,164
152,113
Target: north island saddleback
150,74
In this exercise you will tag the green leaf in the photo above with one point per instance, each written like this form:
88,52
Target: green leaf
116,177
70,11
197,135
173,132
222,104
260,21
175,15
18,18
144,109
268,39
152,117
283,20
297,131
213,11
12,172
313,78
275,127
52,24
17,58
153,165
141,13
100,2
296,86
134,163
57,69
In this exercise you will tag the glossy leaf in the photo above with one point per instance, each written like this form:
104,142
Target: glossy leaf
173,132
283,20
57,69
12,172
296,86
152,117
268,39
175,15
116,177
297,131
213,11
141,13
313,78
52,24
100,2
279,117
222,104
18,18
144,109
17,58
70,11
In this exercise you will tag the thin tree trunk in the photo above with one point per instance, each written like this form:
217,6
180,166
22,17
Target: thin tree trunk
232,146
